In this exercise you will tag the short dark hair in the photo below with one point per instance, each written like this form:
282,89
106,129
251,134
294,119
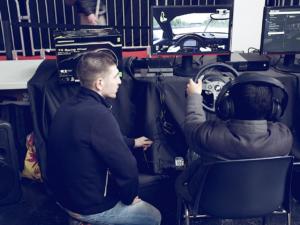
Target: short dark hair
92,65
252,101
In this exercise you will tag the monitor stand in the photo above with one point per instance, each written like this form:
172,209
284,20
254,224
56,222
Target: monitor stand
186,68
289,65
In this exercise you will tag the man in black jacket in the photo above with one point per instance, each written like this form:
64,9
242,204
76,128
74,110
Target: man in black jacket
91,170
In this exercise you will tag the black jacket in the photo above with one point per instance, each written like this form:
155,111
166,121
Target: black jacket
85,142
234,139
86,7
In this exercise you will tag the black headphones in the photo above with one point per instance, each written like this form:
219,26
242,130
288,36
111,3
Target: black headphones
225,105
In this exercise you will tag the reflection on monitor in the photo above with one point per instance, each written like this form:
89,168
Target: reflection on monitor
190,30
280,34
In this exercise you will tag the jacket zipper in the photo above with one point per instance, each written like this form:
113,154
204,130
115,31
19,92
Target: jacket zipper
106,183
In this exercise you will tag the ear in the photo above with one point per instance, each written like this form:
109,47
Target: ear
99,84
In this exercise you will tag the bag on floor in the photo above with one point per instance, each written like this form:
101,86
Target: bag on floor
31,167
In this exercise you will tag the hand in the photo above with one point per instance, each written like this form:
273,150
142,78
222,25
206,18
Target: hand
193,87
142,142
136,200
92,19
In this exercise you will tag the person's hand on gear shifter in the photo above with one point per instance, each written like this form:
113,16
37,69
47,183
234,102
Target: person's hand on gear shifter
142,142
193,87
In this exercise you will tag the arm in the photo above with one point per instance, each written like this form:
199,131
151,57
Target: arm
141,142
129,142
195,116
87,7
111,148
200,134
194,119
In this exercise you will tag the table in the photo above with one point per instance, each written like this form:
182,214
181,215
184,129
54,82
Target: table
15,74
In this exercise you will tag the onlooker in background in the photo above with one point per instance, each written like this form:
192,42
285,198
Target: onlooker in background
91,12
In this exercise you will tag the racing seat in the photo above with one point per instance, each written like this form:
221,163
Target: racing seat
238,189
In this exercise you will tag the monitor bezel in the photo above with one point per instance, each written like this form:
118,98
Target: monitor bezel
197,7
266,9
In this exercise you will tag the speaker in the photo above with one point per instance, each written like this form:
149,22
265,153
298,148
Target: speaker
10,188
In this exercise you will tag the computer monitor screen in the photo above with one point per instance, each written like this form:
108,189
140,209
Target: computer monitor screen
281,30
281,33
189,30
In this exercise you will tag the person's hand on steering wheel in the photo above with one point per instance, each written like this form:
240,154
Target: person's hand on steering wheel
194,87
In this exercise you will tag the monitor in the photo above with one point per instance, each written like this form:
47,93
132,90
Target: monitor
280,35
190,30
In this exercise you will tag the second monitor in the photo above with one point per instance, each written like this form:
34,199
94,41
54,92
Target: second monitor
280,35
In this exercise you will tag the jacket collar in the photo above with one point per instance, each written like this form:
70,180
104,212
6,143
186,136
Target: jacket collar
250,126
88,92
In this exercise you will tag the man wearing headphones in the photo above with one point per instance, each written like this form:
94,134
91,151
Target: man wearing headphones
90,169
249,107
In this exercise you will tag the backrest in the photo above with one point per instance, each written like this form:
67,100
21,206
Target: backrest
296,181
245,188
10,189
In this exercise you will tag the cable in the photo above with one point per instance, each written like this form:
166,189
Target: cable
174,62
275,64
293,129
255,50
128,66
200,60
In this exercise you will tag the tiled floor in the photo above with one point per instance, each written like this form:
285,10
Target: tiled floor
36,208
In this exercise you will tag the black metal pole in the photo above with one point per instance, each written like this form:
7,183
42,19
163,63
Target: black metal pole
8,42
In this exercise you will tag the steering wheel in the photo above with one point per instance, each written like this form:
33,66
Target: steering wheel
215,76
199,41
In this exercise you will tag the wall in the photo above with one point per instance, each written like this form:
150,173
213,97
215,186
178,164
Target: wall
247,24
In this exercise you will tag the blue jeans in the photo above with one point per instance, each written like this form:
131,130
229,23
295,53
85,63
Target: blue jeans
140,213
